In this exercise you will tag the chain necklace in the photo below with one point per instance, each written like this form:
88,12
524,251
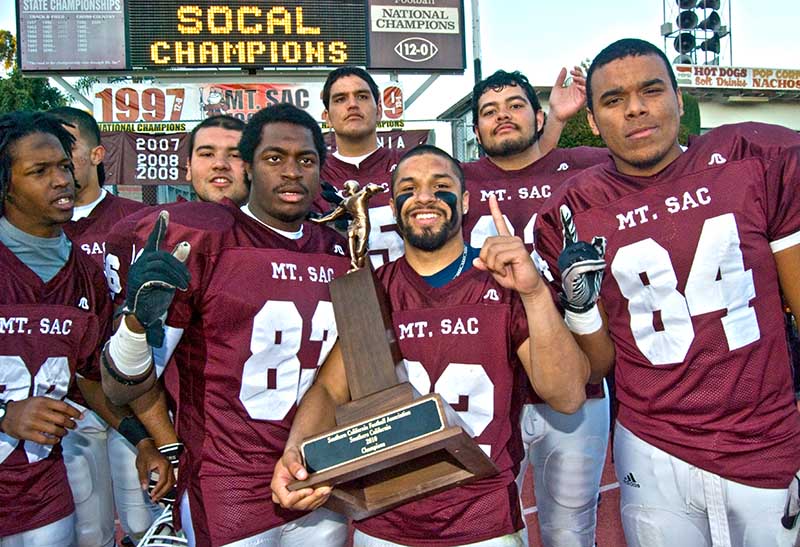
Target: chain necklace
463,261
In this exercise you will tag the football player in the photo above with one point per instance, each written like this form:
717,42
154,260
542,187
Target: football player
567,452
441,281
253,313
699,244
216,171
89,450
215,168
353,109
55,315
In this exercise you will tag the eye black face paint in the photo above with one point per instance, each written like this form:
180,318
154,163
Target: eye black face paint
400,202
450,199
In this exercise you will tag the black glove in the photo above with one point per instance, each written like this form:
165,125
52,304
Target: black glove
581,265
172,452
330,194
152,281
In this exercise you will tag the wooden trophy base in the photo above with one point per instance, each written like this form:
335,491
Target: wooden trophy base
421,452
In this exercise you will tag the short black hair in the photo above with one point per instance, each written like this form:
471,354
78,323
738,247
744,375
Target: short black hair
342,72
497,82
223,120
87,127
86,124
282,112
424,149
627,47
16,125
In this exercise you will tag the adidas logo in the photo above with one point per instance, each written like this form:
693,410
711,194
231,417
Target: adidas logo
491,294
630,480
338,249
717,159
83,303
562,167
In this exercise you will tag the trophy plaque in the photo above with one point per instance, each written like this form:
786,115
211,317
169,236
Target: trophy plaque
391,445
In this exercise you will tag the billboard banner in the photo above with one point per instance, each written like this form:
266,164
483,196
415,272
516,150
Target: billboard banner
416,37
167,108
64,35
147,159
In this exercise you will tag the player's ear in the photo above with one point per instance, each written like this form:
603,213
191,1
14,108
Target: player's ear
188,170
394,211
97,154
592,124
465,202
680,100
477,133
379,114
539,120
325,116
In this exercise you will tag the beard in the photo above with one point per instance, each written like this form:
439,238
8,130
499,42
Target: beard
510,147
429,239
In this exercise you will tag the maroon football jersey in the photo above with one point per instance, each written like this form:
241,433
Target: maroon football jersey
257,321
385,244
48,333
520,194
123,246
692,297
89,233
460,341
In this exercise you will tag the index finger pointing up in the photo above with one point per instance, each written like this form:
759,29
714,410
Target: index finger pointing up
159,230
568,228
497,215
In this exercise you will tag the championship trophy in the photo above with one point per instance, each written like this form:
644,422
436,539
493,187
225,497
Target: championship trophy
391,445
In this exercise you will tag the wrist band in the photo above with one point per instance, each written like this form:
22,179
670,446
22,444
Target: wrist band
133,430
584,323
130,352
124,380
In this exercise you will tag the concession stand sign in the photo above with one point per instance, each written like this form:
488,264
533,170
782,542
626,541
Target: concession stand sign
772,79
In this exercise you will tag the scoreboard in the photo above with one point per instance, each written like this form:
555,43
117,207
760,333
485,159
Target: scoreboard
213,33
152,36
158,35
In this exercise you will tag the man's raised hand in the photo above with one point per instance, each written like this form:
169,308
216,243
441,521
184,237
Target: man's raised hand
581,265
507,259
153,279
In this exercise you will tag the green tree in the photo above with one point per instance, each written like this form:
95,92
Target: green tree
8,49
18,92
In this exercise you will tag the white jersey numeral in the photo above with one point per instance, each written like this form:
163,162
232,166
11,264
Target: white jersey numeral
111,269
52,381
485,228
460,384
273,380
385,243
717,281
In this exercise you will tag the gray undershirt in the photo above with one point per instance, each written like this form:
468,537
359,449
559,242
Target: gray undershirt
44,255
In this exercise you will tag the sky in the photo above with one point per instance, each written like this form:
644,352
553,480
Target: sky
538,37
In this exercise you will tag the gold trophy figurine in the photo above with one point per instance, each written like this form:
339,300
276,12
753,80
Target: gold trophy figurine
355,202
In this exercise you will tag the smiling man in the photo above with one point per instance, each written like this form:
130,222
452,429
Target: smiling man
700,244
249,326
215,168
517,334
